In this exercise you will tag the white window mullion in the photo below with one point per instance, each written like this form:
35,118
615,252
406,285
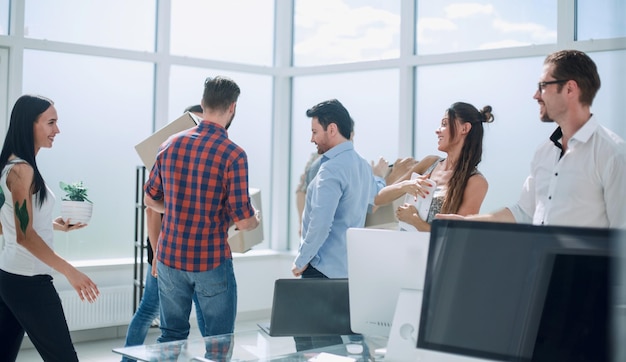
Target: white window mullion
162,64
281,128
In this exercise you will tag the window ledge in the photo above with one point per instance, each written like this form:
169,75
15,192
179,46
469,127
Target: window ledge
103,263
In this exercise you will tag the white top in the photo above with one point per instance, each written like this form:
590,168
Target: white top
583,188
14,258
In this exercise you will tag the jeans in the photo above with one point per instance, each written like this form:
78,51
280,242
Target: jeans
147,311
216,291
31,304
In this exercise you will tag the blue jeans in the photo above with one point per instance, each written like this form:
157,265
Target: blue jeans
147,311
216,291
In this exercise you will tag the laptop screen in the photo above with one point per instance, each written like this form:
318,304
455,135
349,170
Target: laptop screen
516,292
310,307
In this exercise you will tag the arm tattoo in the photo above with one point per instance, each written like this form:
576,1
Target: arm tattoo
22,215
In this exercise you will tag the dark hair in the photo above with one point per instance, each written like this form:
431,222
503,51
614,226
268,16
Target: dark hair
194,109
219,93
20,139
576,65
471,152
332,111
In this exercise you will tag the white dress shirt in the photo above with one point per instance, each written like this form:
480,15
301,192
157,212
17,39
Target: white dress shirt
586,186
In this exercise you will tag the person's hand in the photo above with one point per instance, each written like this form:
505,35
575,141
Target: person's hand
381,168
400,169
66,225
417,187
298,272
154,267
407,213
84,286
405,164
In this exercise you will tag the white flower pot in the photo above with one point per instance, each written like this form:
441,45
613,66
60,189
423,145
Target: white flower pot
76,211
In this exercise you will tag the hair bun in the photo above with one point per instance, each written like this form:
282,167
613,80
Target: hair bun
487,115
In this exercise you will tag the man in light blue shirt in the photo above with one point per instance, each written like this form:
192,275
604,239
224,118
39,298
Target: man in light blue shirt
337,198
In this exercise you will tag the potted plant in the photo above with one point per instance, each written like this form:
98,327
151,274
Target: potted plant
75,206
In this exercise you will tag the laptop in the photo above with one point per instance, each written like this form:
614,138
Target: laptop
309,307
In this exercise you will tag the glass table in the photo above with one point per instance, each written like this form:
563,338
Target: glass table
253,346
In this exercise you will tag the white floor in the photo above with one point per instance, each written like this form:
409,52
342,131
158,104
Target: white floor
101,350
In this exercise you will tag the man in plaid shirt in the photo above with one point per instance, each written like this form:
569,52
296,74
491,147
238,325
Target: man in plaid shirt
200,183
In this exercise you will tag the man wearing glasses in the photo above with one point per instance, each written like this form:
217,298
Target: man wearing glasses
577,176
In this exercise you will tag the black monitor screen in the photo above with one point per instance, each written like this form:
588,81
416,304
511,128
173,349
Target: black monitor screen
575,322
517,292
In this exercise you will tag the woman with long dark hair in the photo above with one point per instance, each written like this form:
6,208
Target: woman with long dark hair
460,187
28,300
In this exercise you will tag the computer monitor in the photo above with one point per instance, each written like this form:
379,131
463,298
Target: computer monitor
380,263
516,292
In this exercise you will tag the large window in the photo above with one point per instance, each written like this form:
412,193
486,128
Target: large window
4,80
329,32
450,26
102,115
609,101
600,19
107,23
234,31
118,70
4,17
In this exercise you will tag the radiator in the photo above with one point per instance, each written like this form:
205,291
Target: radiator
112,308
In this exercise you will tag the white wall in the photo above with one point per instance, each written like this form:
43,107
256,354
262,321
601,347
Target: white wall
255,273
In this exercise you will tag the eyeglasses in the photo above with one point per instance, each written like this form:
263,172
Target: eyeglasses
542,85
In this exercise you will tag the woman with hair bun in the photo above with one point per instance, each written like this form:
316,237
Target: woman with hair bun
460,187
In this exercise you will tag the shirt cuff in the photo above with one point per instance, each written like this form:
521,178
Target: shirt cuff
520,216
300,261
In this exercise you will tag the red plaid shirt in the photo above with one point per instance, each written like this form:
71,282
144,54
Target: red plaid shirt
202,177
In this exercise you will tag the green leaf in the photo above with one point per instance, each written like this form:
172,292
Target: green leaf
75,191
22,215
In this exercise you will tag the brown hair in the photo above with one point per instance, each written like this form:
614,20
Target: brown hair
471,153
577,66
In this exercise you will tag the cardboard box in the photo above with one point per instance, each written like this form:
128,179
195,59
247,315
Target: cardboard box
239,241
148,148
384,217
242,241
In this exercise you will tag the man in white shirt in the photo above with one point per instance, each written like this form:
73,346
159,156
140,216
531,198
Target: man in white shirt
577,177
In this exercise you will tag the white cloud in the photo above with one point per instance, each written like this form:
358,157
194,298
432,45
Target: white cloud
508,27
344,33
428,25
310,14
466,10
436,24
536,31
335,31
507,43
